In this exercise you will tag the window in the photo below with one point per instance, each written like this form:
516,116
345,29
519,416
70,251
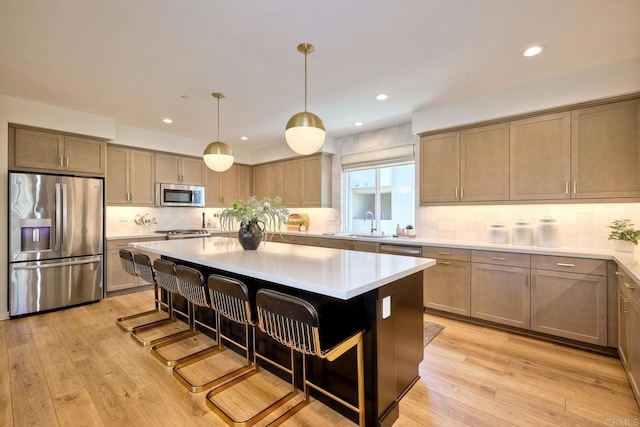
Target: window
388,192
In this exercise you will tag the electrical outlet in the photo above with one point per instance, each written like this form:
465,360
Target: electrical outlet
331,217
123,219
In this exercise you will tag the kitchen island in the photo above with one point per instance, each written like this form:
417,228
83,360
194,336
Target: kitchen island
351,290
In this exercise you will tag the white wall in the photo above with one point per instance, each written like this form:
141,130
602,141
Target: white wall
614,79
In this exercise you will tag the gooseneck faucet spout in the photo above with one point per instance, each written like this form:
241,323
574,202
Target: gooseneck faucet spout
370,214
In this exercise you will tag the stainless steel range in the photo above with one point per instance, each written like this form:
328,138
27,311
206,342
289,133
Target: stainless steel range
185,234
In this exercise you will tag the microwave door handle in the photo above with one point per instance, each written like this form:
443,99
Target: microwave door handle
64,217
58,224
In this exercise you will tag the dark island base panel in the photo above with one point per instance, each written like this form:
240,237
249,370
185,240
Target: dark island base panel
393,347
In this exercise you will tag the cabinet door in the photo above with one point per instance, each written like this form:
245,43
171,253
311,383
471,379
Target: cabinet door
142,182
484,163
447,287
605,144
213,183
633,361
244,182
167,168
316,181
540,153
192,171
440,168
274,180
39,150
501,294
118,179
623,328
570,305
229,186
260,181
117,278
342,244
85,155
292,176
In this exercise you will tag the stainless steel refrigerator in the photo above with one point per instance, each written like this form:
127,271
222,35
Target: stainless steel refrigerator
56,230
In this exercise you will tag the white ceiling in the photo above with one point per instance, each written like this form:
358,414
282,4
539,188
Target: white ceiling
132,60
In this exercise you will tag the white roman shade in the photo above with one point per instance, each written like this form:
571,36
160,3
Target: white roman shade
377,158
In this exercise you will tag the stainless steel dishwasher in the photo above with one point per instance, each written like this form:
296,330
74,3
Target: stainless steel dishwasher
407,250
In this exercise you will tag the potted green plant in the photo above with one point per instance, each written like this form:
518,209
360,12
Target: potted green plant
624,236
255,217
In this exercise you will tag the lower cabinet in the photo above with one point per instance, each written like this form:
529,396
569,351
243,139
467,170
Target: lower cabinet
117,279
629,329
501,294
570,303
446,284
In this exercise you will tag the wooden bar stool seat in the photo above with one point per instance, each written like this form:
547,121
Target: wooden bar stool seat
230,300
165,277
191,285
128,264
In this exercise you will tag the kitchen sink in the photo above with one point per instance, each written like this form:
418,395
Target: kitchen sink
365,235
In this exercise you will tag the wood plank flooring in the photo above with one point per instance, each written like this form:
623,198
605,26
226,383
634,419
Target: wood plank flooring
76,367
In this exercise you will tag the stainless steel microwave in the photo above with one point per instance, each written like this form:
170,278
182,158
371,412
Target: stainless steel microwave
179,195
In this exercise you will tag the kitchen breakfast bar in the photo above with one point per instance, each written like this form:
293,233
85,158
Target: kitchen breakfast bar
378,293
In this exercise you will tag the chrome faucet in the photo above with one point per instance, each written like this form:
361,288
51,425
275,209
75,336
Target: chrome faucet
369,213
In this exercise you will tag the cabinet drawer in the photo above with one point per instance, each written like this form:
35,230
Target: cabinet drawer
314,241
120,243
446,253
569,264
501,258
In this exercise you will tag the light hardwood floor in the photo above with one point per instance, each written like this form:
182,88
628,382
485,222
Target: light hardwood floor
76,367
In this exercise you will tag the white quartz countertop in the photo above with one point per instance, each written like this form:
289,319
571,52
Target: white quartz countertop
331,272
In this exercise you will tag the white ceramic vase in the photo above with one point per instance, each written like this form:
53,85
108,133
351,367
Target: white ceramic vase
623,246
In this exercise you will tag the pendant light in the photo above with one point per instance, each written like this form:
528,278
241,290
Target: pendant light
218,155
305,132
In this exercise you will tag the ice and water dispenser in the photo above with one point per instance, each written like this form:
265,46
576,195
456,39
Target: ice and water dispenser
35,235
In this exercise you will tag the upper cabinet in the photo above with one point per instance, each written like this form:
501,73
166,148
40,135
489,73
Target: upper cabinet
34,150
308,182
589,153
605,143
174,169
300,182
130,177
540,157
224,188
471,165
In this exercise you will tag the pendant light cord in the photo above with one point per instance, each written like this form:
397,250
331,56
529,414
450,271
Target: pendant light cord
218,119
305,82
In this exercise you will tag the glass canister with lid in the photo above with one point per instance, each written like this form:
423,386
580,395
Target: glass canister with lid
497,233
522,233
548,233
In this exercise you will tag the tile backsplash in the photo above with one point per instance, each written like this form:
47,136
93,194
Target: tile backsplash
580,225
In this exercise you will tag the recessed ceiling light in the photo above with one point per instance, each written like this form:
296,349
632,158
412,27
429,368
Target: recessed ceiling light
244,138
382,97
167,121
185,97
533,50
358,124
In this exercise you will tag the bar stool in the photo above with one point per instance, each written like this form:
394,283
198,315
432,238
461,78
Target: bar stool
128,265
191,285
230,300
295,323
165,277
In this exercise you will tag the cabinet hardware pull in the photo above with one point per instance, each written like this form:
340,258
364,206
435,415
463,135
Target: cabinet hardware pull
625,306
566,187
497,258
563,264
617,273
575,187
444,253
59,161
66,161
629,286
444,262
456,192
461,193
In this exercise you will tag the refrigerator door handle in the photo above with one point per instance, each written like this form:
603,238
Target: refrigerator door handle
56,265
58,225
64,217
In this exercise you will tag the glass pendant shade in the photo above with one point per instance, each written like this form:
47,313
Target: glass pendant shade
305,133
218,156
